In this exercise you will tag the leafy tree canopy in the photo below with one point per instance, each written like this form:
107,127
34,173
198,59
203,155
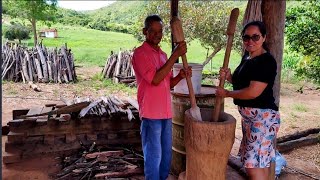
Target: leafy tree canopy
303,35
203,20
35,10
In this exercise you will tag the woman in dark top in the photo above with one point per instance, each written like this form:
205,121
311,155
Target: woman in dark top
252,92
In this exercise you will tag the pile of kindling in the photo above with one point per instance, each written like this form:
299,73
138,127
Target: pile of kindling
119,67
38,64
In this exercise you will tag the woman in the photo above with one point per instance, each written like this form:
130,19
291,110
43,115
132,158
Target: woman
252,91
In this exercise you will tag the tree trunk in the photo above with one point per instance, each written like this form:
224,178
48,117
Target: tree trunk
34,29
273,15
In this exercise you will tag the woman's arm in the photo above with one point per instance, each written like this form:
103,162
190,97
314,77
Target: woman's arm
254,90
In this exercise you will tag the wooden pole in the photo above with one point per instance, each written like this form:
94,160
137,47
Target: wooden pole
174,13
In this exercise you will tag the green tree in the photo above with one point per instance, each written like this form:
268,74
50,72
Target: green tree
17,31
303,35
203,20
32,10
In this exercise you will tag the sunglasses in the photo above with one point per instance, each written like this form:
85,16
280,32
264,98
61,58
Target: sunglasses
255,38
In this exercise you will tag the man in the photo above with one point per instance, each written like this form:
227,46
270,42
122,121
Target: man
154,80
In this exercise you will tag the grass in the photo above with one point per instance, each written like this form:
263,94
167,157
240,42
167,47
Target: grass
300,108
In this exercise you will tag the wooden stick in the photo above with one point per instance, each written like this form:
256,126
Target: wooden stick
230,32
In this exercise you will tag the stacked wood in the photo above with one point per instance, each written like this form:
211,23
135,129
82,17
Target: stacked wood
119,67
105,106
37,64
117,162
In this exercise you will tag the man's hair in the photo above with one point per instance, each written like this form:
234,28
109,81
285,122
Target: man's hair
150,19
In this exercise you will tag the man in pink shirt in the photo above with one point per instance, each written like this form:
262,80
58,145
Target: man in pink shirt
154,80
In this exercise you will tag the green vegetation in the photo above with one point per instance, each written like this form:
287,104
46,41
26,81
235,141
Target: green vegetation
300,108
17,31
303,35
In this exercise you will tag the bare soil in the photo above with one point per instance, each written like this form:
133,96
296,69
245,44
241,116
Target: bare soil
299,111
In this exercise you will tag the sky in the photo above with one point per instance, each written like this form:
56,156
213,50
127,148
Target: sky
83,5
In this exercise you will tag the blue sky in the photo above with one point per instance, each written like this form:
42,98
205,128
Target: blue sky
83,5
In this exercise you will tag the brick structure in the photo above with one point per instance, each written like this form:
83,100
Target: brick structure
58,134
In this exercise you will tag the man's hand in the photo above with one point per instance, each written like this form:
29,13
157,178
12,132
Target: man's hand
185,73
180,49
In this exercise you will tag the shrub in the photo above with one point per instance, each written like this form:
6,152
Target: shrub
17,31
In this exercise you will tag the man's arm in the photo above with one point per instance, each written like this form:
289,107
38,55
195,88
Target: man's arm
180,50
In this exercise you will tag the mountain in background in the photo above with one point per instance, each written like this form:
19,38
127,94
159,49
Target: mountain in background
120,16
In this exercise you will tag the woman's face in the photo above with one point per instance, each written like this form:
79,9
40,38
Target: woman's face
252,39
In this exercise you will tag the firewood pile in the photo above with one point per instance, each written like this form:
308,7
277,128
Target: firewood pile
38,64
102,163
119,68
106,106
59,128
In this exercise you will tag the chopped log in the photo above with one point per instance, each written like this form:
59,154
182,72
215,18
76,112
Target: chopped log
43,63
25,69
297,135
39,71
304,141
133,102
50,70
126,173
63,51
104,154
34,87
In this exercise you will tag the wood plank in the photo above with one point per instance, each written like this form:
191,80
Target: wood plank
19,112
35,110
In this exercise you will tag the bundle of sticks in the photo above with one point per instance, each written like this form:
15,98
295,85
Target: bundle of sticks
102,163
105,106
119,67
37,64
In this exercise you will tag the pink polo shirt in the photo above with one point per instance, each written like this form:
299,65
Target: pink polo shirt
154,101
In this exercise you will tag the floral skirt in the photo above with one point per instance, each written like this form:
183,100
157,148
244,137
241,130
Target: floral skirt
259,128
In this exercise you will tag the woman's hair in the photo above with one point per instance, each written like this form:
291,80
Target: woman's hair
262,29
150,19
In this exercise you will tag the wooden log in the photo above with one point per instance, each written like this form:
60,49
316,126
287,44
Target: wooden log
111,68
304,141
25,69
297,135
104,154
125,173
65,57
49,63
39,71
117,68
43,64
29,65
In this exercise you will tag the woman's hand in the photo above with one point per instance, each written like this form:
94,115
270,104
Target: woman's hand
221,92
226,73
185,73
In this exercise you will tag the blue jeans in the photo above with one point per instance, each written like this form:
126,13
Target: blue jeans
156,135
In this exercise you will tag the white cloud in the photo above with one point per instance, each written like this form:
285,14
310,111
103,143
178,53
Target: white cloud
83,5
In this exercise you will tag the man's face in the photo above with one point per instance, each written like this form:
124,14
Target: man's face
153,33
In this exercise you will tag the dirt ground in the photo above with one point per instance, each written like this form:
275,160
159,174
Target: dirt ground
299,111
